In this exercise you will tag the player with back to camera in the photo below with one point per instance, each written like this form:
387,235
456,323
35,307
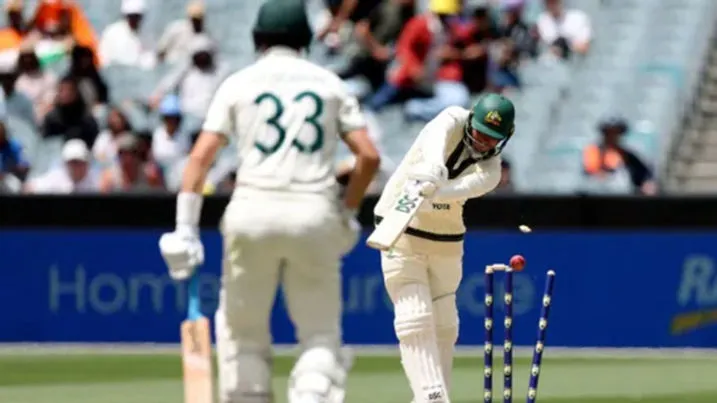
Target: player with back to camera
455,157
285,223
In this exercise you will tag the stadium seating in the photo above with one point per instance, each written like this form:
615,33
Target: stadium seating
644,64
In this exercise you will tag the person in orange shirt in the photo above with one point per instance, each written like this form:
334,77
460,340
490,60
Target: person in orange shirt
64,18
11,36
610,156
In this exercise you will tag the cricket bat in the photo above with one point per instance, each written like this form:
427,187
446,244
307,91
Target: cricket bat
196,349
385,235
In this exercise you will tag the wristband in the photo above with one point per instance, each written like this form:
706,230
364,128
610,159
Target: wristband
189,209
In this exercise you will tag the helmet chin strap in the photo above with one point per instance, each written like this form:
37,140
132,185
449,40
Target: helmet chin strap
469,141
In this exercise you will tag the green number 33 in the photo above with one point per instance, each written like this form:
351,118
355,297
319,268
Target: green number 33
273,121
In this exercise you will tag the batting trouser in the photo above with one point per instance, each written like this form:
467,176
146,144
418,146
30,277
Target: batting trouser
289,241
423,290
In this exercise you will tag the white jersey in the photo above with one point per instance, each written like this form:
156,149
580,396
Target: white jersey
441,143
286,116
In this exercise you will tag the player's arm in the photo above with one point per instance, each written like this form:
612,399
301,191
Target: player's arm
353,128
431,172
217,127
367,163
484,179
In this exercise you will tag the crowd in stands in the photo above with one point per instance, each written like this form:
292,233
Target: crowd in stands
54,86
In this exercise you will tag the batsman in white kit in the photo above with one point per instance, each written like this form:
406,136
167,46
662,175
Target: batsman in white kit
420,231
285,224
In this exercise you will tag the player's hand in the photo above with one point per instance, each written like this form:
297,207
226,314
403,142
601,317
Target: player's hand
425,179
352,227
436,174
417,188
182,251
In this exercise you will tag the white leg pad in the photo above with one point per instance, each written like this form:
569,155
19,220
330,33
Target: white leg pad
446,317
244,365
319,376
416,333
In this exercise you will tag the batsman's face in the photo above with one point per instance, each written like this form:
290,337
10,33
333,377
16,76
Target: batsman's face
482,142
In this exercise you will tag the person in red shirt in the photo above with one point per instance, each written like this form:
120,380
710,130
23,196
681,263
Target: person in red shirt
426,63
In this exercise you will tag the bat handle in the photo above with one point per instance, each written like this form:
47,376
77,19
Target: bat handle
194,305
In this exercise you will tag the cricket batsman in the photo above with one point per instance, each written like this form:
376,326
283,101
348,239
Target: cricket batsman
455,157
285,224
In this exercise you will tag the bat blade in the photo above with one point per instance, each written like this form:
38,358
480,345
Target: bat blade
394,223
197,361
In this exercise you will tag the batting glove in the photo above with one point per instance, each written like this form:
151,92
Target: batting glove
436,174
420,188
182,251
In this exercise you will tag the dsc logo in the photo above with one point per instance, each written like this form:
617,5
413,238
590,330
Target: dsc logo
406,204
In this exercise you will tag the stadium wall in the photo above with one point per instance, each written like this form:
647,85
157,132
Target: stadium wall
636,285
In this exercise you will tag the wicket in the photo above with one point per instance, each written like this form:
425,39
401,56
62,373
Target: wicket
508,342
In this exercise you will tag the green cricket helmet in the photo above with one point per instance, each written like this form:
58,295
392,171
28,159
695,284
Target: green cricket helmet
282,23
494,116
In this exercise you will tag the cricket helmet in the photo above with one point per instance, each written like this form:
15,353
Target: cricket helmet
494,116
282,22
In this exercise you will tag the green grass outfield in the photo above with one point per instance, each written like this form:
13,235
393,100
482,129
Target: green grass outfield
152,375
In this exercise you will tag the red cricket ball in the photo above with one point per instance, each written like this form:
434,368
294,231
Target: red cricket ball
517,262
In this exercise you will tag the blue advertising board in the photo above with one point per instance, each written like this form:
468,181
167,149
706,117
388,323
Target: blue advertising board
612,289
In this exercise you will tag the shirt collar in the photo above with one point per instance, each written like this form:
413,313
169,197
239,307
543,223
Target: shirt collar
280,51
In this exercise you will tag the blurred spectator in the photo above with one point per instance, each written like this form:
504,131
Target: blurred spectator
129,173
151,167
371,51
169,144
58,25
524,38
427,62
194,83
121,42
474,41
12,158
174,45
70,117
443,74
564,31
613,165
11,36
16,103
39,85
503,70
74,176
105,147
342,11
92,86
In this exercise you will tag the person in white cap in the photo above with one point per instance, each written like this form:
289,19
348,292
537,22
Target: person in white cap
121,42
74,176
174,45
196,81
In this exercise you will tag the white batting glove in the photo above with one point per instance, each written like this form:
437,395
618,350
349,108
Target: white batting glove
436,174
420,188
182,252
